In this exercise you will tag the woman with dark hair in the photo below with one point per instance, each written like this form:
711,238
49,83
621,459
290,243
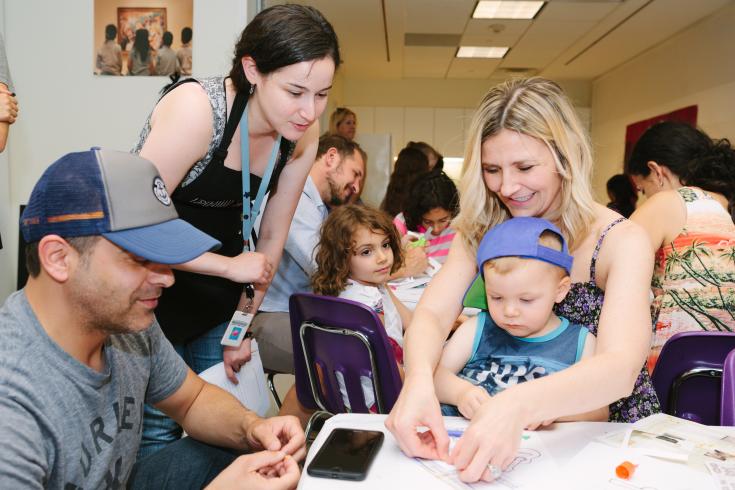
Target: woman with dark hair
410,165
214,140
622,195
431,205
140,61
689,180
436,160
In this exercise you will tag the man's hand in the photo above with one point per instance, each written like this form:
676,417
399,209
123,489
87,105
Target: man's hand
471,399
277,434
8,106
266,470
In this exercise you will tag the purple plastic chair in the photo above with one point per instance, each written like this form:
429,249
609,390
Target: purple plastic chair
688,375
727,401
340,335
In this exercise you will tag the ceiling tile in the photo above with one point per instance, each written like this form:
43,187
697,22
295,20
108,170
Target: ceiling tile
438,16
429,62
470,68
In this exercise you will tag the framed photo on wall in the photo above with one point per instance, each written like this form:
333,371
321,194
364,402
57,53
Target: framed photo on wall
130,19
165,33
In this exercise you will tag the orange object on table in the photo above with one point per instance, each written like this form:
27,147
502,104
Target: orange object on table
625,470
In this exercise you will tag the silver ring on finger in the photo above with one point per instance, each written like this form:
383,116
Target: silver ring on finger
495,471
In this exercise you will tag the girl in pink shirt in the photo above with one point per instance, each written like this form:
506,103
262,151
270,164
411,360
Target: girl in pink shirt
432,204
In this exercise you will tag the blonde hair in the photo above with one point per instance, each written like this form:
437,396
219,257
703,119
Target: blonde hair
538,108
506,265
339,115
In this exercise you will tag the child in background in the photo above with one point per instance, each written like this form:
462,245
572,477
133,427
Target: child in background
358,250
432,204
524,267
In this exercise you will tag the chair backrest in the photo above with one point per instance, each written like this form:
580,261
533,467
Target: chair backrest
332,335
727,401
688,375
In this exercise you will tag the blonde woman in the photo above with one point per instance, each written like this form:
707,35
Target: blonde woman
529,156
343,122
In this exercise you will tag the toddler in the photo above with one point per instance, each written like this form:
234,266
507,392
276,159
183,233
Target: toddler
524,267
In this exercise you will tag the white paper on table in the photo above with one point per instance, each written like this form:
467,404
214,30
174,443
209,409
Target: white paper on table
593,468
251,390
532,468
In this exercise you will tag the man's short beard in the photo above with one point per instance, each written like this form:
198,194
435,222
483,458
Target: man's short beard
334,191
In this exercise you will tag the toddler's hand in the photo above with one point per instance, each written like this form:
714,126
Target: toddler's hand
471,399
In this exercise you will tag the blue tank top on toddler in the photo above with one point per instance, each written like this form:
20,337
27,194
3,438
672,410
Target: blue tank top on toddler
500,360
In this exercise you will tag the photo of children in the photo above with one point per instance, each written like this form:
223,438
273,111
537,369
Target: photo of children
132,40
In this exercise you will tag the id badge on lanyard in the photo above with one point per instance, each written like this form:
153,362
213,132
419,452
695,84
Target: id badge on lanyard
239,325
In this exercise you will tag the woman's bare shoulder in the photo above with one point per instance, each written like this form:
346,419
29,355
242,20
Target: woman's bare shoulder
626,231
626,244
188,100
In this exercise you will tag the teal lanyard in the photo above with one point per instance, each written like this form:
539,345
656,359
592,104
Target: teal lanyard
250,209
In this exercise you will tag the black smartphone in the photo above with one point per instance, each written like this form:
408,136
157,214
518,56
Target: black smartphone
346,454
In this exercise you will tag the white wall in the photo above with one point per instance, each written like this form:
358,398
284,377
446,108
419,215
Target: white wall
64,107
697,66
436,111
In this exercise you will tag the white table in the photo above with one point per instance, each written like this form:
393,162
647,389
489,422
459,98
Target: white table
393,470
565,439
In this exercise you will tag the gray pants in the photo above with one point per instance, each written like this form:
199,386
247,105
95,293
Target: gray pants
273,333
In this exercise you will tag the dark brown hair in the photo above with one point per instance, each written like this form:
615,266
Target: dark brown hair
410,165
430,191
82,244
283,35
690,154
344,147
336,245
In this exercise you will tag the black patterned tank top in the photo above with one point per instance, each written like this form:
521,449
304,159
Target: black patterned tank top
583,305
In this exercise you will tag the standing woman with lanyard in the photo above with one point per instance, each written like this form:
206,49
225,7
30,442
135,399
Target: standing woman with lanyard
215,140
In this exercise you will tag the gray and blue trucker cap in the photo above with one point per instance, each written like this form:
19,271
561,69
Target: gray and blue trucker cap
117,195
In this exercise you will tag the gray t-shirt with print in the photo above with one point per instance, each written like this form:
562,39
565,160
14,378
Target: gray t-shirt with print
65,425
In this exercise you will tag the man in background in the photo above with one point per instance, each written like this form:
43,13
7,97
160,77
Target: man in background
109,55
333,179
166,61
184,52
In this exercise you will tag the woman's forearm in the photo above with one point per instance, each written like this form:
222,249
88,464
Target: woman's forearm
423,343
209,264
583,387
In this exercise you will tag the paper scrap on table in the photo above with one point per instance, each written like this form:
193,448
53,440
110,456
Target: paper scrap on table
723,474
676,439
251,390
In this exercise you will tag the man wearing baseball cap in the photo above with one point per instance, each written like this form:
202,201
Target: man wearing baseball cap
81,352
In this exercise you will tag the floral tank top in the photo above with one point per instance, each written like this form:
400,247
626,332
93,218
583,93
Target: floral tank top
583,305
694,276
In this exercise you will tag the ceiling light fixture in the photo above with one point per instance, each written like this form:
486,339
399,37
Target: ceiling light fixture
506,9
481,52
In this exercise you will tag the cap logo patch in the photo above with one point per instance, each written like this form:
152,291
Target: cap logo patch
159,190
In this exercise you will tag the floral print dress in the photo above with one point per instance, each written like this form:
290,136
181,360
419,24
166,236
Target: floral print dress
583,305
694,276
